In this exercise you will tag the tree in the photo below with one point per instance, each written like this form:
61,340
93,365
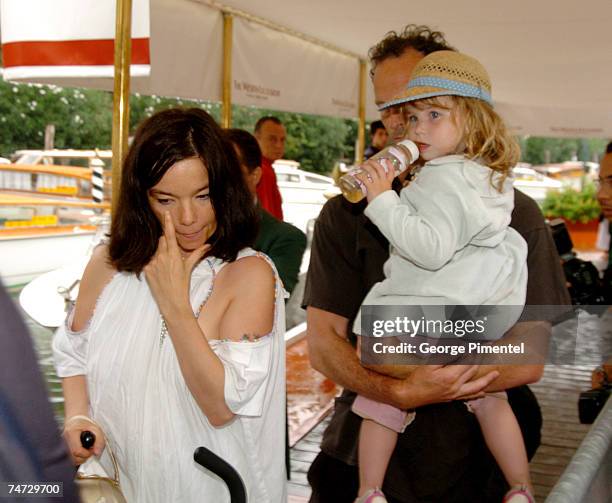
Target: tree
317,142
83,117
538,150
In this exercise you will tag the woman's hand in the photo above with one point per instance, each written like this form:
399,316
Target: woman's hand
169,273
72,435
377,177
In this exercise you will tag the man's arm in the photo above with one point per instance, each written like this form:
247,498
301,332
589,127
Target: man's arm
332,355
519,369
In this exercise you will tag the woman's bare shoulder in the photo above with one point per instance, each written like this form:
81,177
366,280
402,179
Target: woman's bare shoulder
99,268
254,271
96,276
249,285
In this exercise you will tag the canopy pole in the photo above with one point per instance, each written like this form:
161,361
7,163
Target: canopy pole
121,93
362,104
226,93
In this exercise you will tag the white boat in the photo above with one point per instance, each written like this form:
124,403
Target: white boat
47,216
47,298
303,193
535,185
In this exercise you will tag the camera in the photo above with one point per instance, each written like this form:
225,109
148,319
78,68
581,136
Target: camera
592,401
586,288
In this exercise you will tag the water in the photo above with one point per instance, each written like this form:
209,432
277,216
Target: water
42,337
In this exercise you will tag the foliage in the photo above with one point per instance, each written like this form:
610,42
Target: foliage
83,119
316,142
142,106
534,149
572,205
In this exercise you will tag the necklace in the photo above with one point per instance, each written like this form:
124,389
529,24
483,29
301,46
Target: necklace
164,331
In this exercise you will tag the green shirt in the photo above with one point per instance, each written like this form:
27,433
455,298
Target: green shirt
284,244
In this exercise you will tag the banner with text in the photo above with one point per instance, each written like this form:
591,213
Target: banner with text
497,335
282,72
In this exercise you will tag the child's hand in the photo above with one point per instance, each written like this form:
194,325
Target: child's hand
377,177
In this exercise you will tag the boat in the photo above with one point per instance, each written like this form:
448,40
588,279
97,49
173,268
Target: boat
570,173
533,183
47,215
303,193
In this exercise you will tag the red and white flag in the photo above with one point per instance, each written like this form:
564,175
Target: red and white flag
69,38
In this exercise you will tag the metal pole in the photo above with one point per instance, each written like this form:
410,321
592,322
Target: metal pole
226,111
121,94
362,102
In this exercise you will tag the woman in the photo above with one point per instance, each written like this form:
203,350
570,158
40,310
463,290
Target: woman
166,350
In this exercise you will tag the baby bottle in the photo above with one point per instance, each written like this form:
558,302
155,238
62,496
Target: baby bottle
401,155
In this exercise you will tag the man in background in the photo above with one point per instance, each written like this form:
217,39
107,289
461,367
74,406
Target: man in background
281,241
379,137
604,196
271,135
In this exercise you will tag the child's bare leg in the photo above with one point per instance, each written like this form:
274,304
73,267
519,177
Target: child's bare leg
376,444
503,437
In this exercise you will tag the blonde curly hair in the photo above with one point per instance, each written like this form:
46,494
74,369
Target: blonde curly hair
484,134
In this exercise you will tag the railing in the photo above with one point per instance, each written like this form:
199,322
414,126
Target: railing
587,479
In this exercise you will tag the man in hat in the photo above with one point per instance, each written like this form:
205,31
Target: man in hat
441,457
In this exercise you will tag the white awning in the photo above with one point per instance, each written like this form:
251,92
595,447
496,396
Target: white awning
550,60
64,38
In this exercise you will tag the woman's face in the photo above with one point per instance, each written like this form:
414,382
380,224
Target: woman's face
183,192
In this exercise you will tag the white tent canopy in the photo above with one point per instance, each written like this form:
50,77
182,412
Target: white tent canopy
550,60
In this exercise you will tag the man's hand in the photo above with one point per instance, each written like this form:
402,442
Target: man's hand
332,355
438,383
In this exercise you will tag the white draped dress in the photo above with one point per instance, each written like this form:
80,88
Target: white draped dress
140,399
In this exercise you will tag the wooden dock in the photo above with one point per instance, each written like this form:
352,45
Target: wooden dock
562,433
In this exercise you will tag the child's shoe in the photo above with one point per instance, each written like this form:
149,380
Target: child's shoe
519,494
372,496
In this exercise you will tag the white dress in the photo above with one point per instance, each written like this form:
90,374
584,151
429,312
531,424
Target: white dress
139,397
450,243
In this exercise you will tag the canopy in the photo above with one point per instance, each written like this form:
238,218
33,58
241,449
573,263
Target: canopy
53,39
550,61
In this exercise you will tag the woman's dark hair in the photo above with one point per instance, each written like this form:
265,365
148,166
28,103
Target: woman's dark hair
249,152
375,126
160,141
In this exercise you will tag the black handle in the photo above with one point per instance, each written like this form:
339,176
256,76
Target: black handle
88,439
223,469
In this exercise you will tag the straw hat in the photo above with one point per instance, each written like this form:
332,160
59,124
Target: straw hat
444,73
